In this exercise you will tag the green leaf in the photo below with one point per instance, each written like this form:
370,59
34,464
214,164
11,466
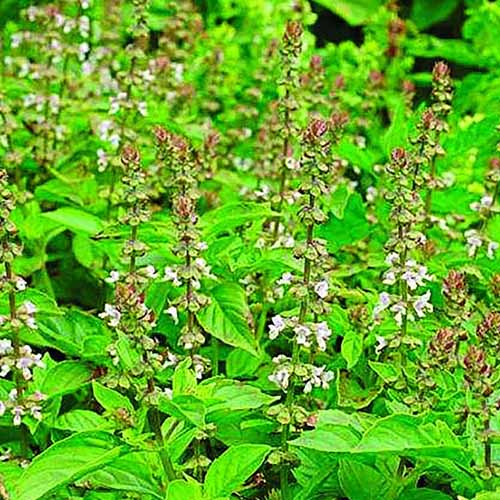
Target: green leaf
240,363
352,228
187,408
226,317
425,494
406,435
231,469
227,395
339,199
184,379
352,348
66,461
82,420
110,399
233,215
362,482
355,12
425,13
184,490
387,372
76,220
131,472
397,133
329,438
65,377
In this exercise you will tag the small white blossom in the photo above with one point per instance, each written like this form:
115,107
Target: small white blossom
399,310
302,334
392,259
171,275
5,346
150,272
320,377
114,276
381,344
474,241
492,248
142,108
20,284
321,289
384,301
323,333
277,326
422,304
281,377
112,314
371,194
286,279
172,311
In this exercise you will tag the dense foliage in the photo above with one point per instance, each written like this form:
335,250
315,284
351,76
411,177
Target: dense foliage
237,265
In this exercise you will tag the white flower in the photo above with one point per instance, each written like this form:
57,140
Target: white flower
168,393
474,241
83,50
381,344
2,408
170,360
278,325
16,40
172,311
323,333
5,346
371,194
399,310
112,314
422,304
485,203
384,301
202,265
392,258
202,245
150,272
302,334
102,160
281,377
415,276
389,278
319,378
20,284
321,289
29,307
114,276
114,139
492,248
178,71
142,108
29,100
18,412
171,275
286,279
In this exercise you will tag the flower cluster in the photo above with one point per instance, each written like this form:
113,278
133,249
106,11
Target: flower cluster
17,361
478,238
180,163
129,316
405,274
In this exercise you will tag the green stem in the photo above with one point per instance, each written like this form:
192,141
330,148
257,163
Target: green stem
133,237
215,356
16,345
285,432
168,468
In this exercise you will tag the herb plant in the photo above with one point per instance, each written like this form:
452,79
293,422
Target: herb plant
241,261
